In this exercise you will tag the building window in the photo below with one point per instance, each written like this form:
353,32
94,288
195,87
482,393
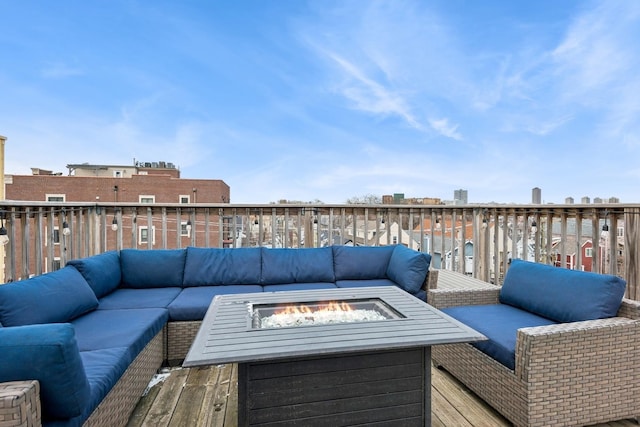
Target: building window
588,252
56,236
56,198
184,198
147,199
395,240
118,174
54,267
184,230
143,235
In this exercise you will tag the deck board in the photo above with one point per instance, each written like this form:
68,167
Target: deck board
207,397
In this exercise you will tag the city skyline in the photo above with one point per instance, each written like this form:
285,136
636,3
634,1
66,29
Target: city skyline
305,100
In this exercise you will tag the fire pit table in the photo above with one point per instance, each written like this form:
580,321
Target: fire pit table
337,357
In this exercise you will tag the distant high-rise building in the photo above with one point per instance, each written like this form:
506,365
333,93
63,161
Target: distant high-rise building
536,196
568,200
598,200
614,200
585,200
460,197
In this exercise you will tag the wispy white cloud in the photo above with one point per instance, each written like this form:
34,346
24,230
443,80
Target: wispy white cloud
60,70
595,50
443,127
597,66
545,127
370,95
390,59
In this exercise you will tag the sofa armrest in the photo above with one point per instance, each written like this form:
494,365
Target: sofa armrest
442,298
49,354
431,280
587,354
20,403
449,288
629,308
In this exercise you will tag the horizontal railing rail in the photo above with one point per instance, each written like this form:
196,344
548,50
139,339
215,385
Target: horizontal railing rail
478,240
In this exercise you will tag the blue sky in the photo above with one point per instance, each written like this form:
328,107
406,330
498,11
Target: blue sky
332,99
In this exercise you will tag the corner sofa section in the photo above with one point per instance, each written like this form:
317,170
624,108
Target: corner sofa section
93,333
563,345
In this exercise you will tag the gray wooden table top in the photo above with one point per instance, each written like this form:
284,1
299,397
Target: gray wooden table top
226,335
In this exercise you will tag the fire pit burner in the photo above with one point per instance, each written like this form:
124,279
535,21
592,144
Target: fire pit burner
321,313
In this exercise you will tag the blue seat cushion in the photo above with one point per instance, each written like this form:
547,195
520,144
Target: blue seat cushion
364,283
215,266
408,268
361,262
155,268
138,298
305,265
499,323
56,297
103,369
298,286
193,303
133,329
49,354
102,272
561,294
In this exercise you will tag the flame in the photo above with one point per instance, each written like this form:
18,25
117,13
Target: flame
331,306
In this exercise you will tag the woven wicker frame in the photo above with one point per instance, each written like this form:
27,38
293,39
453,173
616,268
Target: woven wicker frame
568,374
180,336
20,404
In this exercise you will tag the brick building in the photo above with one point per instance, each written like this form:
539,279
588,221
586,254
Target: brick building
144,205
118,184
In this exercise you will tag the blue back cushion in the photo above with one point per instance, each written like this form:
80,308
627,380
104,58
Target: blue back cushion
408,268
49,354
102,272
228,266
55,297
297,265
155,268
361,262
561,294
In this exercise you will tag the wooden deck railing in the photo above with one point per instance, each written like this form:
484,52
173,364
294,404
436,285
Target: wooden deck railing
478,240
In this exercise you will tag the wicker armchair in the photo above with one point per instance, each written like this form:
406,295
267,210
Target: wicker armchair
566,374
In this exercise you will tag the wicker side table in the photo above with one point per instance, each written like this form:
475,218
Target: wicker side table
20,404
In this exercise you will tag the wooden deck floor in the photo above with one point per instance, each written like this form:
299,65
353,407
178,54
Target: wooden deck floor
207,397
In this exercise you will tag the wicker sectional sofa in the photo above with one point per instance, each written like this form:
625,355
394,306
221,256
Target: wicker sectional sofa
78,346
563,346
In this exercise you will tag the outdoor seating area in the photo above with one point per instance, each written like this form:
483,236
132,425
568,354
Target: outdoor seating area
562,344
180,399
